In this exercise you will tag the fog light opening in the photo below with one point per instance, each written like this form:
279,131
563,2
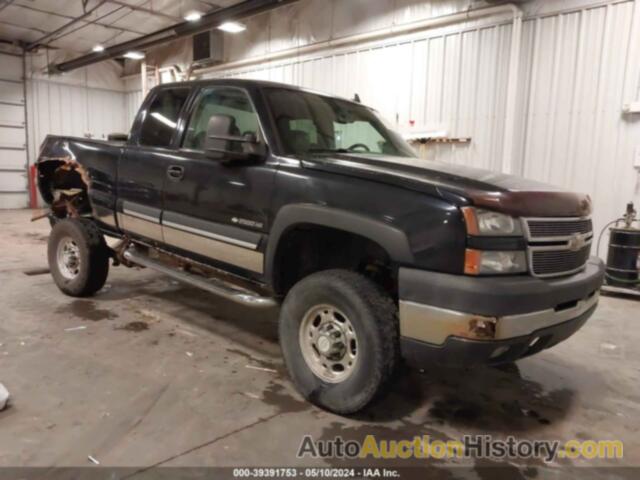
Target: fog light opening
482,328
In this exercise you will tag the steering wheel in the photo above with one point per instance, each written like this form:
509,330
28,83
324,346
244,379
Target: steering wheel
359,145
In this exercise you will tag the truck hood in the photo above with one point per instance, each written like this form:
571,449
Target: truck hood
496,191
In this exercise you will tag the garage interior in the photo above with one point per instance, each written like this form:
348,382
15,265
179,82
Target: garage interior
154,373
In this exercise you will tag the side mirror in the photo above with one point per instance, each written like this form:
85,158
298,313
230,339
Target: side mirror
224,143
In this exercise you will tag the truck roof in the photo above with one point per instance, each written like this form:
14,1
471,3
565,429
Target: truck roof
242,82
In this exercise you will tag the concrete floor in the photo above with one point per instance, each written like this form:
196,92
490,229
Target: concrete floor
150,372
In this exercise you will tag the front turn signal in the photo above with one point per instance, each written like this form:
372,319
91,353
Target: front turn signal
472,259
490,262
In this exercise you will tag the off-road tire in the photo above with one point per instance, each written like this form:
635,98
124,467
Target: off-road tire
93,256
374,317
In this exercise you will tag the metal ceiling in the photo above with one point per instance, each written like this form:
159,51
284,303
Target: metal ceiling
239,11
78,25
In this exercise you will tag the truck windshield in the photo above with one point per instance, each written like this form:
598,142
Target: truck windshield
308,123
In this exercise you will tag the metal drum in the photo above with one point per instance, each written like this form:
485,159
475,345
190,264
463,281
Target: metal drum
623,259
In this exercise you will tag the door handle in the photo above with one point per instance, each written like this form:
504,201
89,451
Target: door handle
175,173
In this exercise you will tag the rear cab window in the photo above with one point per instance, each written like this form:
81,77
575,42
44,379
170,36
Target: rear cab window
160,119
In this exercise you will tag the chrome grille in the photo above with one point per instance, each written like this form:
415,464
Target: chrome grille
555,262
558,246
541,228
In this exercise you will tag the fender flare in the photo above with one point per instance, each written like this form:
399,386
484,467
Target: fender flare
393,240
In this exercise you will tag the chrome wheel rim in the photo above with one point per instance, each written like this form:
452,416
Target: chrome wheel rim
329,343
68,256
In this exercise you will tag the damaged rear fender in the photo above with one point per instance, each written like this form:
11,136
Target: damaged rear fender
62,181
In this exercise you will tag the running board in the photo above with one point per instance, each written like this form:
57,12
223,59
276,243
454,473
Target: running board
217,287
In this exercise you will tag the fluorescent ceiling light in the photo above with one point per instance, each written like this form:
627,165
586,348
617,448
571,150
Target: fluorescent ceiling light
98,48
133,55
193,16
232,27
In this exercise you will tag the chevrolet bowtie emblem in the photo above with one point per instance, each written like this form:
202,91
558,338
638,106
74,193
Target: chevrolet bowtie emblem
576,242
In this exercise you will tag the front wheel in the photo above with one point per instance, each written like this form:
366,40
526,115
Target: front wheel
339,339
78,257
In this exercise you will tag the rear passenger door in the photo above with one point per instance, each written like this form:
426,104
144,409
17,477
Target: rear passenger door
218,209
143,167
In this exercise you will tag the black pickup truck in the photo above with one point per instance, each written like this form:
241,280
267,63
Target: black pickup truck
271,195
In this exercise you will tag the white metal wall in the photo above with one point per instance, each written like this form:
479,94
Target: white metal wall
581,67
445,80
13,151
64,109
133,99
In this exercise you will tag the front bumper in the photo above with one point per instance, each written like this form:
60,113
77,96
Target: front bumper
460,320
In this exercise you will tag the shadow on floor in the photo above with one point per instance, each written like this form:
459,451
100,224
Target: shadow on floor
487,399
491,399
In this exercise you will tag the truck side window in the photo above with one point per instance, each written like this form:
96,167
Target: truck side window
160,120
220,101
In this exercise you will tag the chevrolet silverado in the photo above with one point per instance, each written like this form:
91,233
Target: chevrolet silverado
271,195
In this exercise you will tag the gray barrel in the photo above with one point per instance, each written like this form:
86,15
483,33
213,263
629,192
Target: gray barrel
623,259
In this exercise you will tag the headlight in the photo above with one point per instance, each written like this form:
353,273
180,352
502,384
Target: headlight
488,262
485,222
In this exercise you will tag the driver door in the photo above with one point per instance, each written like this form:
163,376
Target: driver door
217,208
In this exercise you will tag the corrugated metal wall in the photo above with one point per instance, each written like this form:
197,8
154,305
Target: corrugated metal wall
442,81
133,99
62,109
579,63
581,68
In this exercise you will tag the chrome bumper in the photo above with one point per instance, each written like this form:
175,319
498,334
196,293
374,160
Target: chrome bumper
434,325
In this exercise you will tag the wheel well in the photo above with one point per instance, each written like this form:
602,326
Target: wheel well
305,249
64,185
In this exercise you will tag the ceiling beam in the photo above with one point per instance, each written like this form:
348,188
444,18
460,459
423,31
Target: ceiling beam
69,17
93,22
5,3
22,27
147,11
210,20
37,42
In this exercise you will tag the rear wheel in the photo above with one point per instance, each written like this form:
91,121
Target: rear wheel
78,257
339,338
